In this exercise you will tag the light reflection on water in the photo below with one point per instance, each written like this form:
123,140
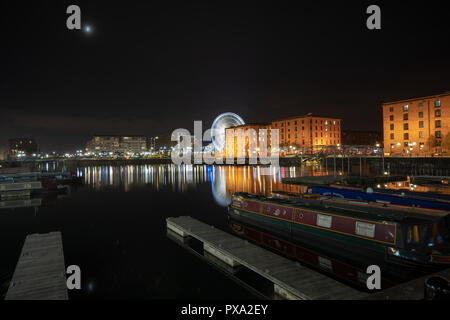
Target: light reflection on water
224,180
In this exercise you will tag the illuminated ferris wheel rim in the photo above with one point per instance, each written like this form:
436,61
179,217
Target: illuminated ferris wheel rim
237,118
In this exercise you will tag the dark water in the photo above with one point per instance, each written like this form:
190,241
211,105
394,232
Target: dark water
114,228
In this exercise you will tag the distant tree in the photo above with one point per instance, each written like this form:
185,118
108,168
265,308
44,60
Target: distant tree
432,142
446,142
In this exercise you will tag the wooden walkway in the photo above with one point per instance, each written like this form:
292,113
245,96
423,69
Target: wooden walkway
40,272
291,280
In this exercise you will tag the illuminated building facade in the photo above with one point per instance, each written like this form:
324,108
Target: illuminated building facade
152,143
309,130
417,126
117,144
294,134
19,147
243,147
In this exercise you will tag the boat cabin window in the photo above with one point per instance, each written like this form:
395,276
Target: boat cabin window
424,235
413,234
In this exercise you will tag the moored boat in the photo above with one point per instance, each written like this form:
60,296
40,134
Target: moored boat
431,201
408,238
326,256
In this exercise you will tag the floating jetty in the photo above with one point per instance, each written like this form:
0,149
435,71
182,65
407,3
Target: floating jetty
20,203
40,272
290,279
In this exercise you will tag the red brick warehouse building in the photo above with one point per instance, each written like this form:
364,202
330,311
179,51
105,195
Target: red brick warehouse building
417,126
308,130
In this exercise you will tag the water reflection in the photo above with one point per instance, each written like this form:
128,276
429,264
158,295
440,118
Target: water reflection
325,256
225,180
179,178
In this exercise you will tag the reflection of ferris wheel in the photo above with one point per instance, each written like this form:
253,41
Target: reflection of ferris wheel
219,187
222,122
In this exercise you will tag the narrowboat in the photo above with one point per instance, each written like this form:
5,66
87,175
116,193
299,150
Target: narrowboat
326,257
431,201
416,238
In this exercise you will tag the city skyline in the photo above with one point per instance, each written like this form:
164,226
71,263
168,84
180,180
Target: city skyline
149,69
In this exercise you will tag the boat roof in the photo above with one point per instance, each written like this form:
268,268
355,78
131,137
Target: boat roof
393,213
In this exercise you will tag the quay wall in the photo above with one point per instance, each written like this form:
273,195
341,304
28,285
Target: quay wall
433,166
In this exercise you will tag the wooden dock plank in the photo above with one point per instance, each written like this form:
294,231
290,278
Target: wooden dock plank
298,280
40,272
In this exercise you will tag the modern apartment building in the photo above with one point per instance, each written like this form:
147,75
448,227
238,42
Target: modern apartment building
416,126
152,144
117,144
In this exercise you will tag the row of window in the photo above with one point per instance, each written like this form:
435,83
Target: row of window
437,103
437,124
333,128
303,135
437,114
321,141
303,122
303,128
437,134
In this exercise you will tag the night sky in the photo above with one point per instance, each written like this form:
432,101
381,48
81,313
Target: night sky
149,67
